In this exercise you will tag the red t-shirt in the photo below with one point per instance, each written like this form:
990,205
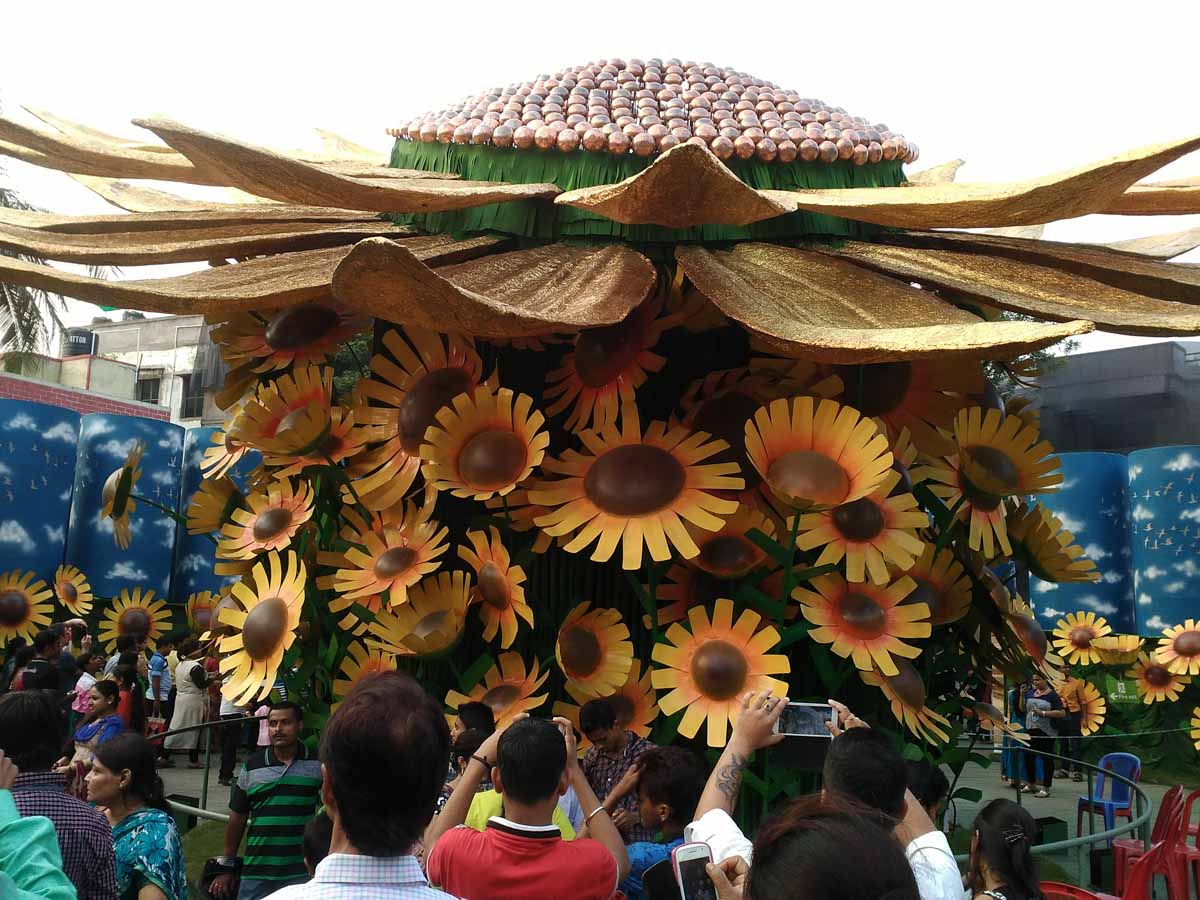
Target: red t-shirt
508,861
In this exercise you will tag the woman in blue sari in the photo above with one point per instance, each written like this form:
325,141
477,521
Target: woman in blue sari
149,854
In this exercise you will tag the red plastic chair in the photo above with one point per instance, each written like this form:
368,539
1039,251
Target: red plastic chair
1184,864
1053,890
1139,883
1127,850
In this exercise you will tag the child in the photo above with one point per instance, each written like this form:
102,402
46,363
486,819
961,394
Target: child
317,835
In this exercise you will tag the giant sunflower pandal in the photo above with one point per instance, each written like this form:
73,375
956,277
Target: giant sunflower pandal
983,513
1092,709
24,606
286,414
199,609
430,622
941,583
634,704
1117,649
705,670
868,623
1040,541
117,494
1155,682
499,591
271,599
136,612
302,335
213,504
269,521
72,590
905,692
816,454
729,553
593,650
359,663
508,688
1179,648
484,443
1001,457
1074,634
636,489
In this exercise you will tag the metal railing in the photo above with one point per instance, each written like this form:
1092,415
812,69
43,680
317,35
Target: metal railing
201,812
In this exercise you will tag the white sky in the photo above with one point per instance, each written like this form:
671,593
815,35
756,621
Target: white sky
1017,89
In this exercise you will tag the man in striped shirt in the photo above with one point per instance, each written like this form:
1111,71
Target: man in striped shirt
277,792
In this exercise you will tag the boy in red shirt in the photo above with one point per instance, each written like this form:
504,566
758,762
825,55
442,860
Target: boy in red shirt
521,854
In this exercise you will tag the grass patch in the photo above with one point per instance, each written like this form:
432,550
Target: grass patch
205,840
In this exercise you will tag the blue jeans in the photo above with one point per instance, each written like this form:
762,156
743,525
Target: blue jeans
256,889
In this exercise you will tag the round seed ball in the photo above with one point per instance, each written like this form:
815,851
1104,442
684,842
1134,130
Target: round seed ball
859,157
845,148
618,143
482,134
666,142
544,137
643,144
523,137
766,149
594,140
809,150
874,152
828,151
567,140
722,147
889,149
744,147
787,151
502,136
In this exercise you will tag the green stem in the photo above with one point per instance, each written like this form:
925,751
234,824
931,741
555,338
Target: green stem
179,519
948,528
787,576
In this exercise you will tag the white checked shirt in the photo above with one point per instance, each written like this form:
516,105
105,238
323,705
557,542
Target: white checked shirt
343,876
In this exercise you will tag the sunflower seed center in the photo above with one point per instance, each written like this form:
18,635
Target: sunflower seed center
420,406
863,616
994,468
493,586
300,326
1081,637
68,591
272,523
1157,676
907,684
634,480
264,628
601,354
14,606
809,475
728,555
719,670
928,593
580,650
860,520
492,459
394,562
501,697
1187,644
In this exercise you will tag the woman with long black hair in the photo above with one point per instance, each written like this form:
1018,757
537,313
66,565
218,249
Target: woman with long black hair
1002,866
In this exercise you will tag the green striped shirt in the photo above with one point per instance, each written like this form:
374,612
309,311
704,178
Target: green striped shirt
277,800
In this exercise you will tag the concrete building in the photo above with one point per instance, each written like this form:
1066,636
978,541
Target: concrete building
1124,399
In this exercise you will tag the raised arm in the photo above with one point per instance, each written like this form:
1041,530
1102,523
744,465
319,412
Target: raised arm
454,813
599,823
752,731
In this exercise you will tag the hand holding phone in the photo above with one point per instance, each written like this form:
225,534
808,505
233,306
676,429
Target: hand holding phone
690,862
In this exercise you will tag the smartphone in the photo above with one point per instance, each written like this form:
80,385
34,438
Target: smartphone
689,861
806,720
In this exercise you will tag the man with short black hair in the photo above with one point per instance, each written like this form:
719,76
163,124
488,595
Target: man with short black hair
30,723
473,715
929,784
384,755
521,853
43,673
864,766
277,792
614,751
126,643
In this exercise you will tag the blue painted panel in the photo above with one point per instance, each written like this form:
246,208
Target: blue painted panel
37,471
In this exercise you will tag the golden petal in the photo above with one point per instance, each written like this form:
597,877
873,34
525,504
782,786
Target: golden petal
684,187
1036,290
258,284
844,313
140,248
940,174
1158,198
525,292
1160,246
268,174
1064,195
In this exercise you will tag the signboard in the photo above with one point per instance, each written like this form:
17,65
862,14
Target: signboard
1121,690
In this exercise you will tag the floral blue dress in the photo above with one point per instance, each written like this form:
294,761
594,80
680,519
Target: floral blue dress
148,850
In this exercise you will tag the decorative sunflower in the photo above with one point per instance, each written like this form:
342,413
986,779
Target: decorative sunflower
594,652
499,589
1001,457
484,443
287,414
1030,633
683,587
357,664
1179,648
636,489
728,553
1040,541
816,454
420,374
352,621
269,521
24,610
224,452
941,584
296,336
135,612
117,494
430,622
865,622
1092,710
1074,634
262,630
224,600
72,590
707,669
634,705
199,608
212,505
507,688
906,693
1117,649
606,366
389,560
1155,682
1196,726
991,716
344,436
869,532
983,513
1022,408
520,513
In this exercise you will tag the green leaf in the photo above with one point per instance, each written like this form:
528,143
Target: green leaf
749,595
777,551
980,760
470,677
913,752
970,794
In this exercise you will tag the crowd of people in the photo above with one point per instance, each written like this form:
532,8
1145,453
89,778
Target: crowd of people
398,803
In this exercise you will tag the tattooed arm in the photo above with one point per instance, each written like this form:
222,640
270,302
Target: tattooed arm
758,715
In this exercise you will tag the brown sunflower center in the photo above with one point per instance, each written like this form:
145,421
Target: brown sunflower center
203,618
1032,635
876,389
928,593
419,408
864,617
581,651
907,684
905,484
271,523
1187,643
976,496
14,607
431,623
622,708
728,555
300,326
601,354
394,562
725,417
134,621
1157,675
67,591
501,697
860,520
493,585
265,627
1081,637
994,468
719,670
109,492
634,480
809,475
492,459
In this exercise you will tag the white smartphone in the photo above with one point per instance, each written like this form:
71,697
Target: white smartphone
806,720
689,861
